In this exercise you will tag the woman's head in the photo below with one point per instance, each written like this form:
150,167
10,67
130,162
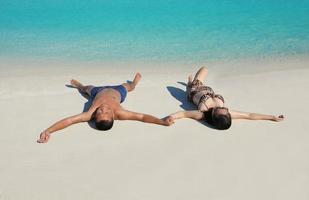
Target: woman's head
221,118
104,117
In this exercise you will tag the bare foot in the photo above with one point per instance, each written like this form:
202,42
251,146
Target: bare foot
77,84
137,78
190,79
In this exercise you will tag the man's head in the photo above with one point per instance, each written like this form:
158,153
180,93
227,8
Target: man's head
221,118
104,117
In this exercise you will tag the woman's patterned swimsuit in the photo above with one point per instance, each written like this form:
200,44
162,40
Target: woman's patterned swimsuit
199,93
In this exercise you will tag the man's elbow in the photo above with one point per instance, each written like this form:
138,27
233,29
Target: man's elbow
142,118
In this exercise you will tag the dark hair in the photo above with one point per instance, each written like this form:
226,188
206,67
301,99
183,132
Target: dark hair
208,116
218,121
222,122
104,125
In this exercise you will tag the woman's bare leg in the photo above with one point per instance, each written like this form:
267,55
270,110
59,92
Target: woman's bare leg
131,86
84,89
190,79
201,74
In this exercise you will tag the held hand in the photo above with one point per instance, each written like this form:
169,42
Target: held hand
174,116
44,137
169,120
278,118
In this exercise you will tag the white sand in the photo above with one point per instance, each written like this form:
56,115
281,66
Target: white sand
253,160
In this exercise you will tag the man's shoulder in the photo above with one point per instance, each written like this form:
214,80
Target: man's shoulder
120,113
123,114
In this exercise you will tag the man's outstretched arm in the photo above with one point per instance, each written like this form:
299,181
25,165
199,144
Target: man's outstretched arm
45,135
129,115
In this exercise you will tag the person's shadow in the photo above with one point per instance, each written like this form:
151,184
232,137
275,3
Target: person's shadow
181,96
87,105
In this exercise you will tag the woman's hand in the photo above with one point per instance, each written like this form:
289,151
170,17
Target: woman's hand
44,137
278,118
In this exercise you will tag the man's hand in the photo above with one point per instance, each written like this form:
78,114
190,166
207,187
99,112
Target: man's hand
44,137
278,118
169,120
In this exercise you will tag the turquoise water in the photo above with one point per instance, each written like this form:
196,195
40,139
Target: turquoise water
153,30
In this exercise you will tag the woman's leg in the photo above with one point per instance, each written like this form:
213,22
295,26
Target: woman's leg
201,74
190,79
131,86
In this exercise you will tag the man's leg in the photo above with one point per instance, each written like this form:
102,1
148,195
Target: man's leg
201,74
84,89
130,86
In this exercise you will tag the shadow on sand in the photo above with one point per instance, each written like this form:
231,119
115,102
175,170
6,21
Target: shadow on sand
181,96
87,105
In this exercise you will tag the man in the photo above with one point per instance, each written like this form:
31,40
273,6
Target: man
105,108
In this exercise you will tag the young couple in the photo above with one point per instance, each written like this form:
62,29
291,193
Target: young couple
106,108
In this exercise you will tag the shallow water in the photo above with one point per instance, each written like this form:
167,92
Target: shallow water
153,30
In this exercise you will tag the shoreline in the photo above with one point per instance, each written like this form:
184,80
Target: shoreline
41,64
136,160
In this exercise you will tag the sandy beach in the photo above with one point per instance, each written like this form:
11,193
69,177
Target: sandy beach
253,160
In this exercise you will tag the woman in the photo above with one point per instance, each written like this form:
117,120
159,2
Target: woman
211,106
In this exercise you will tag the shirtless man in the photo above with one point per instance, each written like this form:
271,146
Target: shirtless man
105,109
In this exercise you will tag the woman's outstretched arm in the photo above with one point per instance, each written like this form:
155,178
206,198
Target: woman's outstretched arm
255,116
192,114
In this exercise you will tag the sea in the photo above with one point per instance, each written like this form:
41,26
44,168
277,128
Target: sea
152,30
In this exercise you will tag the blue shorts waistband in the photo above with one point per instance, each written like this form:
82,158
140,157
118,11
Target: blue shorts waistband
120,88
